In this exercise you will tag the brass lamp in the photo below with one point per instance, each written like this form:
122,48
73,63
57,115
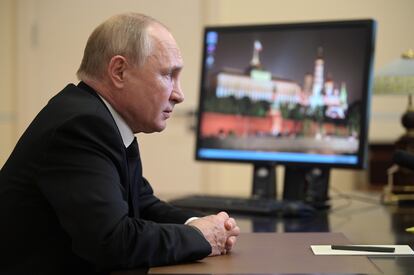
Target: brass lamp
398,79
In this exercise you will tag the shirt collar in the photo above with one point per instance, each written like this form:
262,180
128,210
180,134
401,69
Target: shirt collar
125,131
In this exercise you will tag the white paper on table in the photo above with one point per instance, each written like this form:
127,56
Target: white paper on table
400,250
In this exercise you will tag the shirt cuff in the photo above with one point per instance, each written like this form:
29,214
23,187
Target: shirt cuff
190,220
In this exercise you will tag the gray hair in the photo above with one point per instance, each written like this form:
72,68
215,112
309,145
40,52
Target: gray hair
124,34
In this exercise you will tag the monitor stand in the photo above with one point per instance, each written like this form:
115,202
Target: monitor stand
264,181
307,184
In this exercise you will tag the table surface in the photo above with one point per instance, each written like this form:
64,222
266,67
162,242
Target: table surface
360,217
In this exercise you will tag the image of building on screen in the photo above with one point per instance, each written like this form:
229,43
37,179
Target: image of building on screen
256,108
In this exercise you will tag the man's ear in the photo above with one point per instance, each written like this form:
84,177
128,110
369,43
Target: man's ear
116,70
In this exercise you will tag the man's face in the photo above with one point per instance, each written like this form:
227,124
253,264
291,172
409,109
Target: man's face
152,90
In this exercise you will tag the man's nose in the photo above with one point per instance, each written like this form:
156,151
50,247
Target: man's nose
177,94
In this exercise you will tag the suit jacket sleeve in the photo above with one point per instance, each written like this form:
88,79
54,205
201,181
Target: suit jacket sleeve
82,180
152,208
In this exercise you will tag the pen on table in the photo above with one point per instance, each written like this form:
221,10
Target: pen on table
410,229
363,248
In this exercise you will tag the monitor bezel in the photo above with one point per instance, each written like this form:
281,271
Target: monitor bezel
368,24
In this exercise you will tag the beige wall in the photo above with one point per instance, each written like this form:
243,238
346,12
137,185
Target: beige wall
7,79
50,36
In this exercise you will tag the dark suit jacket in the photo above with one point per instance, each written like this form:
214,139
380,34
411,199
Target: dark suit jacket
64,197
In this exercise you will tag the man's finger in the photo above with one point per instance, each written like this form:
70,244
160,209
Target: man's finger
230,224
235,231
223,215
231,241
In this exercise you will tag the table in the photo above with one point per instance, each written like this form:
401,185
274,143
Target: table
361,217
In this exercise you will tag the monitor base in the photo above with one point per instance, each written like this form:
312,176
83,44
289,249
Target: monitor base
264,181
301,183
308,184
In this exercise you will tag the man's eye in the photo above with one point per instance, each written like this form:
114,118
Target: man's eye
171,75
168,75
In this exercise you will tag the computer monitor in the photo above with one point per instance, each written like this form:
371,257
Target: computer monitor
294,94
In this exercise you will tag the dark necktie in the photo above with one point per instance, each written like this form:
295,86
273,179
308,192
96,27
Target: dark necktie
134,173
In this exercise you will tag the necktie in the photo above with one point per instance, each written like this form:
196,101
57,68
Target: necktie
134,173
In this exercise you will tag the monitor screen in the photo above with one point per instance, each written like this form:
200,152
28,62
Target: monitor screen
291,94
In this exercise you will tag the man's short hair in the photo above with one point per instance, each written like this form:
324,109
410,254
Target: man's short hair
124,34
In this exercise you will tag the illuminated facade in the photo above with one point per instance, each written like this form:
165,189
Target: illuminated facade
261,85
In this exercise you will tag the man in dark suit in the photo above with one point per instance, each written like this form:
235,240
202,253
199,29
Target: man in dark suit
72,195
